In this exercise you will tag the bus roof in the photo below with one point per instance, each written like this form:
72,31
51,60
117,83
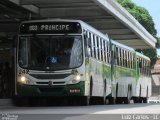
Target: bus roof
122,46
92,29
51,20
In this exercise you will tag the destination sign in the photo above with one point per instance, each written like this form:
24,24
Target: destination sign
50,28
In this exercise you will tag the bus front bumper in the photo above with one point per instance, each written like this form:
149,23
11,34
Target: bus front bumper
57,90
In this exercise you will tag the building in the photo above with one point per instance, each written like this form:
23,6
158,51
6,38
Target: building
156,78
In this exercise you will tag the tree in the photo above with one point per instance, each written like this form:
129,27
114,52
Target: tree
158,42
143,17
140,14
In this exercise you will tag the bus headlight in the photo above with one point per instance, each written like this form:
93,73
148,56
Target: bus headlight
76,79
23,80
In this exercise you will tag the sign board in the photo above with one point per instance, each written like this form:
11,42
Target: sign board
50,28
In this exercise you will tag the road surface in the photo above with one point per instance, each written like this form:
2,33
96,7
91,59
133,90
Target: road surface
93,112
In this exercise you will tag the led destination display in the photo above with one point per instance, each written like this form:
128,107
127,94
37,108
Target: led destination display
50,28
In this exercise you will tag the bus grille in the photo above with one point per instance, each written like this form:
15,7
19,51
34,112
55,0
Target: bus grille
50,76
54,83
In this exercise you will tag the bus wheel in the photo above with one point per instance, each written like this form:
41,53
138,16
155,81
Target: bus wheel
146,98
119,100
85,100
111,100
140,98
136,99
103,99
127,99
20,101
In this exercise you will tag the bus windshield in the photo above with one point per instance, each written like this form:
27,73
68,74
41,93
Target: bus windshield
50,52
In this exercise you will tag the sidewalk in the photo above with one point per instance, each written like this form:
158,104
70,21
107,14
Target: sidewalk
154,97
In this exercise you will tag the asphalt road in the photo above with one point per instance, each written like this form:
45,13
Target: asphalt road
93,112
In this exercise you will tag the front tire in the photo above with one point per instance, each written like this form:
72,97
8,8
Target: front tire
85,101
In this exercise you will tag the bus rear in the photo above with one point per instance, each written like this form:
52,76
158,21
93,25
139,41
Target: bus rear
50,59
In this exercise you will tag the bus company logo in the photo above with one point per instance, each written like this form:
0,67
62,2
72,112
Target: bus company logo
50,83
53,60
9,117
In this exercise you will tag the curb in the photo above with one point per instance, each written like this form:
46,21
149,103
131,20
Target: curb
154,98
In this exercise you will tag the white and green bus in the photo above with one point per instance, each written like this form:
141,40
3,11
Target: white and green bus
71,59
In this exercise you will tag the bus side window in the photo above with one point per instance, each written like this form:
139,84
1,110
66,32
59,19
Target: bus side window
144,67
104,51
122,59
108,53
96,41
125,58
89,45
128,59
98,49
132,62
92,46
140,64
89,39
99,41
120,62
117,55
148,68
146,63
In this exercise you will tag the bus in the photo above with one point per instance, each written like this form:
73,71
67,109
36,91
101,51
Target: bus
72,60
131,74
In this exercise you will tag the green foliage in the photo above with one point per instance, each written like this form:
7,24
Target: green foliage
152,54
158,43
140,14
143,16
128,4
